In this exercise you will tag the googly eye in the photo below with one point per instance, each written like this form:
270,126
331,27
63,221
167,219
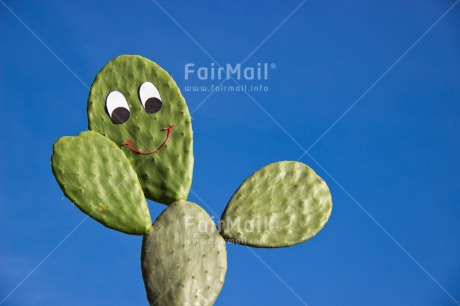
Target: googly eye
150,97
117,107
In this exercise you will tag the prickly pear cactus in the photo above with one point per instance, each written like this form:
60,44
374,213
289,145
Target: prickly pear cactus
141,146
282,204
97,177
184,259
137,104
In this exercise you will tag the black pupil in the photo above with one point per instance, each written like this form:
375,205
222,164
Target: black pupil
153,105
120,115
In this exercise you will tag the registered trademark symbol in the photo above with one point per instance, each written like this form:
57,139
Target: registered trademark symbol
272,65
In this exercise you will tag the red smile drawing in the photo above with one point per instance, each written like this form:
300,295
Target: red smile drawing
128,143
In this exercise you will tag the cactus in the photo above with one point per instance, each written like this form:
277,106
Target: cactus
95,174
140,145
166,176
282,204
184,259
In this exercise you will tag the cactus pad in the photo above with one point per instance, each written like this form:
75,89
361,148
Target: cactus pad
184,259
282,204
137,104
98,178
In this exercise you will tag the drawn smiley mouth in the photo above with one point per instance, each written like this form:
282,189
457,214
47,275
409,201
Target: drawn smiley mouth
128,143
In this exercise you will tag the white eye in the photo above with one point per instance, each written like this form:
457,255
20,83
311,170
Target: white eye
150,97
117,107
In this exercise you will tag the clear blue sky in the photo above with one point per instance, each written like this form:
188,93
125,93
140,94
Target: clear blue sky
395,155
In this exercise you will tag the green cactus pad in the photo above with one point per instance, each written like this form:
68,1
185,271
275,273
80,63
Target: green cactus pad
184,259
282,204
165,176
98,178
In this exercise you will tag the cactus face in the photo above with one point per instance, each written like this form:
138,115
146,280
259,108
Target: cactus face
184,259
280,205
98,178
137,104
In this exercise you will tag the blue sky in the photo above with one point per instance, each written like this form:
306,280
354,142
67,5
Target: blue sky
391,162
